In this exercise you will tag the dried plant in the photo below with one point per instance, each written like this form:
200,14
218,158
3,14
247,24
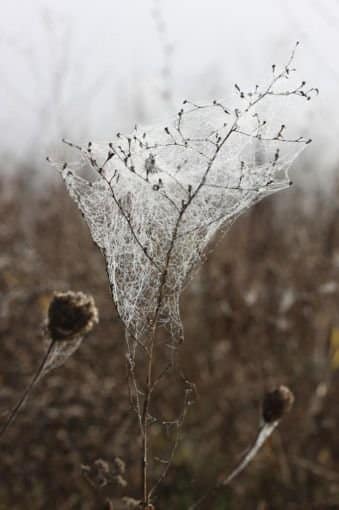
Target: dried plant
159,198
276,404
71,315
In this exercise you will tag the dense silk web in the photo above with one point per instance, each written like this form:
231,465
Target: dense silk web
161,194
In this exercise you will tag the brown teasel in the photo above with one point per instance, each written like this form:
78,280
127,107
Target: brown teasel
71,314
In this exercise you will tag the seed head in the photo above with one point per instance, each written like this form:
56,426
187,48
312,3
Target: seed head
119,465
276,404
70,315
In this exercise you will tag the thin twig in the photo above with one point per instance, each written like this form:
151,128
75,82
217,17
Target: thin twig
27,391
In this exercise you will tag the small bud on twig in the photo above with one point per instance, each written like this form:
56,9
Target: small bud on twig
276,404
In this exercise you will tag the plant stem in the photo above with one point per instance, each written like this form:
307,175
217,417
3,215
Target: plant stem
27,391
145,439
263,434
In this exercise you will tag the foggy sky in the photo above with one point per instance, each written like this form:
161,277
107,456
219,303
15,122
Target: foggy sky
81,68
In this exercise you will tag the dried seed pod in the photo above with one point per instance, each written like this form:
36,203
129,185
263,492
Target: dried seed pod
70,315
276,404
102,466
120,481
119,465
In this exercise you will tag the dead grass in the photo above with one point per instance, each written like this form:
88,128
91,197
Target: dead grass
263,311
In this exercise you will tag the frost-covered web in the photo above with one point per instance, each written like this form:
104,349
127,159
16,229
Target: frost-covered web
163,192
58,354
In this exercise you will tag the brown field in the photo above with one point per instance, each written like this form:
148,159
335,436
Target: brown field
262,311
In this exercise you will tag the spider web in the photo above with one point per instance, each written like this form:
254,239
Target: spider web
163,192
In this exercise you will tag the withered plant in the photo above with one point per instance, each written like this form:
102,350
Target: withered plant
157,200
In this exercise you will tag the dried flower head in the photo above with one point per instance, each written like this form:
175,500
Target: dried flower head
276,404
119,465
102,473
70,315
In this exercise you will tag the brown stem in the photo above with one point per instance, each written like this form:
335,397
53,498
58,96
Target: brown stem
145,439
27,391
263,434
149,383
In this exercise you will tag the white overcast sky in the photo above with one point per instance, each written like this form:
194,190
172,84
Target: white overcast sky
84,68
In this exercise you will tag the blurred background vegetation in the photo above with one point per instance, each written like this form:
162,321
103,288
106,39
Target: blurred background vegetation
262,311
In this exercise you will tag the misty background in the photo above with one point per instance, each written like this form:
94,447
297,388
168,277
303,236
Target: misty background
263,310
83,70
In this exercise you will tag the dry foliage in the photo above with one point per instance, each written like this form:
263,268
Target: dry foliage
263,311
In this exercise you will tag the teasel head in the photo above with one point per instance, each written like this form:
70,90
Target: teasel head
70,315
